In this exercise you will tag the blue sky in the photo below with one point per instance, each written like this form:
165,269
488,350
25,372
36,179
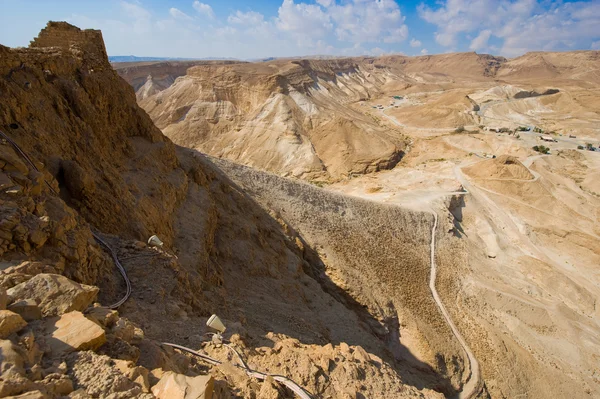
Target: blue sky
264,28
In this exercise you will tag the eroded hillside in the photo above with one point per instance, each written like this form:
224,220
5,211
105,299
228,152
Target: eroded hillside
286,116
298,302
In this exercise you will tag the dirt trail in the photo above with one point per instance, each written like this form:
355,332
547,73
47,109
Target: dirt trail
474,384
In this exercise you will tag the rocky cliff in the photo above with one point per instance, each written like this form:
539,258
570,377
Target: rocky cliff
148,78
119,179
285,116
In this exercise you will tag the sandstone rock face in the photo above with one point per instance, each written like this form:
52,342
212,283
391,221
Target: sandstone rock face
178,386
27,309
99,377
287,117
3,299
148,78
10,358
55,294
10,322
137,374
74,332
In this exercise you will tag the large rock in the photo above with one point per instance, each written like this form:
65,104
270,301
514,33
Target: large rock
27,309
10,358
10,322
3,299
55,294
137,374
179,386
74,332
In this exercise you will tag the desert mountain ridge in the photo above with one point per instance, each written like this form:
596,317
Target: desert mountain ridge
298,117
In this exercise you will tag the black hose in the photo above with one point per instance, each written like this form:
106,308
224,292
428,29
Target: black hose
96,237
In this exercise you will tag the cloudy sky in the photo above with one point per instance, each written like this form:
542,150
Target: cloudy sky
249,29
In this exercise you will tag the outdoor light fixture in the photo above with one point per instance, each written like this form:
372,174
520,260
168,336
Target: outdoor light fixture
216,324
154,241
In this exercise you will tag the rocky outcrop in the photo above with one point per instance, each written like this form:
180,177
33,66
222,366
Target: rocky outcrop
161,74
10,322
54,293
178,386
74,332
289,117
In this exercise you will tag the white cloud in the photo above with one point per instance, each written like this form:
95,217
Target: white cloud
178,14
521,25
204,9
141,18
303,20
424,51
246,18
353,21
481,41
415,43
326,3
300,27
363,21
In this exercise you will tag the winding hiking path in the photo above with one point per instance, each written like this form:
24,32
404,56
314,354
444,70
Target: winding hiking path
474,383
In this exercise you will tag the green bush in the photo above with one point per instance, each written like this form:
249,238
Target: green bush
541,149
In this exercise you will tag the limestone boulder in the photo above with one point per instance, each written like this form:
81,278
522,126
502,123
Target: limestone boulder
3,299
179,386
27,309
55,294
10,358
137,374
74,332
10,322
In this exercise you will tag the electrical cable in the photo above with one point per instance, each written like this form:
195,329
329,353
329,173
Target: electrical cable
297,389
96,236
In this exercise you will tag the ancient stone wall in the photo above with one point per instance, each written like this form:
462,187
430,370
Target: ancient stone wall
69,37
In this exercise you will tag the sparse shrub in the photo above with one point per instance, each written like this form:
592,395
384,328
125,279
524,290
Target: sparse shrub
580,147
459,129
541,149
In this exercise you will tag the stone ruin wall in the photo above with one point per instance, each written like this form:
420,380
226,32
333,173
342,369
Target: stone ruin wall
68,37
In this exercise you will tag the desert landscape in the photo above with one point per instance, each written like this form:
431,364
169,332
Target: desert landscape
364,227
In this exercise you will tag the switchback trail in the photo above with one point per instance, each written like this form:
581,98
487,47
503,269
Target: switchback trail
474,384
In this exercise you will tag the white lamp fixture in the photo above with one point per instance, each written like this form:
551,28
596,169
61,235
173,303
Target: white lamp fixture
216,324
154,241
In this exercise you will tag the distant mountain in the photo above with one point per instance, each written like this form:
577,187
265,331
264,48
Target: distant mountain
133,58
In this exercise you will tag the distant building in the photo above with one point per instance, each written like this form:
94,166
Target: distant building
547,138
